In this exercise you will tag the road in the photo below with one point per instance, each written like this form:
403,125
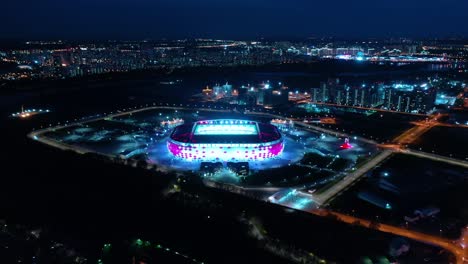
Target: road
347,181
407,137
435,157
411,135
309,126
38,134
456,247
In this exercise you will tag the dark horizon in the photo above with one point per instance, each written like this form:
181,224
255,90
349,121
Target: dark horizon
242,19
454,38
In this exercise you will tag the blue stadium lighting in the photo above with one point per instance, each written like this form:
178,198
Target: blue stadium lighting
301,203
287,196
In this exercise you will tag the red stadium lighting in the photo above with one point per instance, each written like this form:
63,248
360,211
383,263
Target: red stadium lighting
346,144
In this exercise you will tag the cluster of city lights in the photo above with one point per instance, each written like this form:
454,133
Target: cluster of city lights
172,123
29,112
282,124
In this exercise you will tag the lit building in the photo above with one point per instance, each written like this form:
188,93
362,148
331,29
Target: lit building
414,100
225,140
172,123
221,91
283,124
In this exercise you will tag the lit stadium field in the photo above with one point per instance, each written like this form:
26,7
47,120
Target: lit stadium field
225,127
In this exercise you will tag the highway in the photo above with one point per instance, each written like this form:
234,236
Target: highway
409,136
412,134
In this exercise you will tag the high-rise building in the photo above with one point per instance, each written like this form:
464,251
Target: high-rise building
324,92
408,104
363,98
339,98
388,98
355,99
314,95
224,90
398,104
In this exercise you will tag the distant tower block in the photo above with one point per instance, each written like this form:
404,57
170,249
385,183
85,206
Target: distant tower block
346,144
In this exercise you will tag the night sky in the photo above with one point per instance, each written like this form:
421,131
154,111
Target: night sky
236,19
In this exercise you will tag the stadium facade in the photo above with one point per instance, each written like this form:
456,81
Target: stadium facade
225,140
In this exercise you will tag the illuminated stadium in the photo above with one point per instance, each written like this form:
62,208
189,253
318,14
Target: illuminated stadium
225,140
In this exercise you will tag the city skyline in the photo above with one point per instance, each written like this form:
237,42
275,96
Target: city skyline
234,131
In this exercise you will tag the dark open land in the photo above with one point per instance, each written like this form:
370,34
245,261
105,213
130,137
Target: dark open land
409,183
380,126
445,141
